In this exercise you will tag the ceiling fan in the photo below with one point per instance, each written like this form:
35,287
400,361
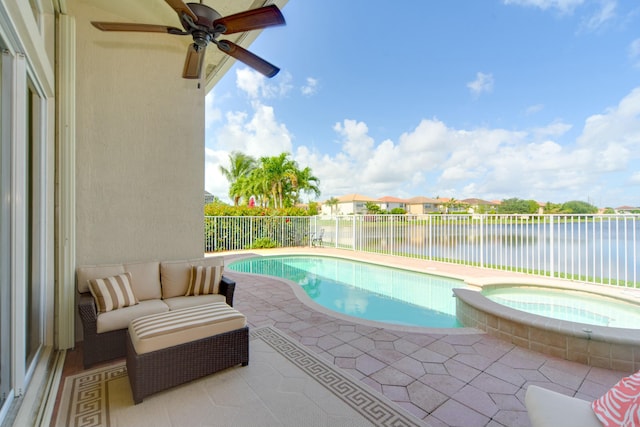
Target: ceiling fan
205,25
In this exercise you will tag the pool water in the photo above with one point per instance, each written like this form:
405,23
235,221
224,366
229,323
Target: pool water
365,290
574,306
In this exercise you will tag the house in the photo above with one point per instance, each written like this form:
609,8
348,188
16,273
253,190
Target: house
209,198
423,205
102,146
348,205
626,210
478,205
388,203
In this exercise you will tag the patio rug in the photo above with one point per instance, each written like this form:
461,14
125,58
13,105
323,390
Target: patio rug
285,384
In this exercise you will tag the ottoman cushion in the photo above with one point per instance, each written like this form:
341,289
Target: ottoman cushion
163,330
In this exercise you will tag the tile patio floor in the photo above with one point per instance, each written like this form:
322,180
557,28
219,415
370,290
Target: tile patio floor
446,379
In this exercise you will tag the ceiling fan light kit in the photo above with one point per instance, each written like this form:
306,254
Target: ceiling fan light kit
205,25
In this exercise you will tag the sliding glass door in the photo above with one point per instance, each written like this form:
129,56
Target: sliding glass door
5,240
22,227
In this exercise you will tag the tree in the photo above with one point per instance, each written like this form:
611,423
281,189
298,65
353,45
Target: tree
280,173
313,208
372,208
275,181
305,182
240,165
518,206
552,208
332,203
578,207
454,205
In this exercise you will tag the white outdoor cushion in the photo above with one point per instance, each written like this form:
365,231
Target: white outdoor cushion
547,408
159,331
177,303
120,319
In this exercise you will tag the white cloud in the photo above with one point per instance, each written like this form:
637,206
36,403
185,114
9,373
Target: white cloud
533,109
215,182
565,6
634,52
311,87
355,141
482,83
555,129
435,159
211,112
257,134
603,15
255,85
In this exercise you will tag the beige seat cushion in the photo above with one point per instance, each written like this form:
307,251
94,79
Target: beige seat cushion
177,303
159,331
175,275
120,318
548,408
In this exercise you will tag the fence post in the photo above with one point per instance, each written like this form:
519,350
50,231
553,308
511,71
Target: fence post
353,233
482,241
552,246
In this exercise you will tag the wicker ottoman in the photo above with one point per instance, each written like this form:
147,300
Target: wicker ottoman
172,348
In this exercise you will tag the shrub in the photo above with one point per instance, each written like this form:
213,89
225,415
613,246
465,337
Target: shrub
263,243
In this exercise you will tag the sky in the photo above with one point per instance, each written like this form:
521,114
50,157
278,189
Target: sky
489,99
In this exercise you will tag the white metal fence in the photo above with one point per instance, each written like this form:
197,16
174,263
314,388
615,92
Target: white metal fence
592,248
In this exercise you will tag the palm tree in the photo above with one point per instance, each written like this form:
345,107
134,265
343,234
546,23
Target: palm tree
332,202
280,171
304,182
240,165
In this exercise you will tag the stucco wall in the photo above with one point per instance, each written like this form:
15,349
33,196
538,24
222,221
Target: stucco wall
140,145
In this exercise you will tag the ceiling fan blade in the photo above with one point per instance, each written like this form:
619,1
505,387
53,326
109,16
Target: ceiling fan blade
252,60
193,62
144,28
251,20
180,7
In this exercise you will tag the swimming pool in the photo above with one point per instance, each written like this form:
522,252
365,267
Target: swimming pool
566,304
365,290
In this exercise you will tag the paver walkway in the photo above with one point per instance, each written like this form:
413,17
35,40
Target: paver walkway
446,379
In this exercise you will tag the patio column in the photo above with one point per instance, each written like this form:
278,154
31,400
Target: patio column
66,183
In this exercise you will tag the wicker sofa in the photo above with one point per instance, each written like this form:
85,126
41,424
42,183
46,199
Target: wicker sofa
158,286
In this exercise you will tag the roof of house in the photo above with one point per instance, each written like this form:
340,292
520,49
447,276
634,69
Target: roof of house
355,198
422,199
473,201
391,199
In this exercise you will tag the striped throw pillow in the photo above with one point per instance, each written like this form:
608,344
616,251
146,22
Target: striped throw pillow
620,406
204,280
113,292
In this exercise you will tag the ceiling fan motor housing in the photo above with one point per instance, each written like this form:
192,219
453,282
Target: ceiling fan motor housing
205,14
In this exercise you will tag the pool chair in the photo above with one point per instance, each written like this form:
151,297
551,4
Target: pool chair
548,408
316,239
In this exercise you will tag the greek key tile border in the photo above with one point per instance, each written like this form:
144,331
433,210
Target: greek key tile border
89,397
365,401
87,405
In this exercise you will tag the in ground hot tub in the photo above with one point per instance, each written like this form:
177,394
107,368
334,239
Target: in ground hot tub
608,339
